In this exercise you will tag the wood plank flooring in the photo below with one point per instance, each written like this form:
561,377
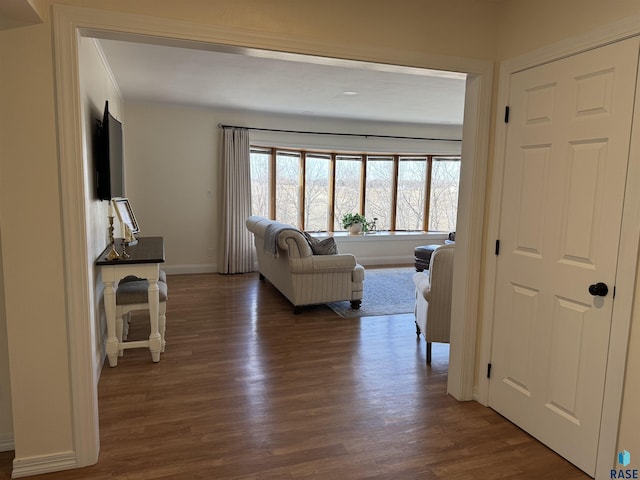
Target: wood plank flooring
247,390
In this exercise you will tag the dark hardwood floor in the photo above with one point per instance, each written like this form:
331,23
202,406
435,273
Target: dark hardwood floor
247,390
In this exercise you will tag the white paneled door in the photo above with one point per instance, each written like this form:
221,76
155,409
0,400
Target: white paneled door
565,169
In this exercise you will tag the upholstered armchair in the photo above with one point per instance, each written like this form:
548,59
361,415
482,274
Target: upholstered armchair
433,298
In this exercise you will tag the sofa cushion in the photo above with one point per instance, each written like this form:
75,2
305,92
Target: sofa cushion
322,247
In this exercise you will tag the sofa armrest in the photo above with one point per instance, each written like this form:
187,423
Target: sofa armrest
423,285
344,262
295,243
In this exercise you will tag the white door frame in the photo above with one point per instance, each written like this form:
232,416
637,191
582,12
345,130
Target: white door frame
71,23
629,243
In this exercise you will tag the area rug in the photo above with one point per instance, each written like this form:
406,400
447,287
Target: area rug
387,291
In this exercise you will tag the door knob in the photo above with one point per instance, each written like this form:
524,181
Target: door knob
599,289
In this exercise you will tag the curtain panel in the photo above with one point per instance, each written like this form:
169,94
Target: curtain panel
237,252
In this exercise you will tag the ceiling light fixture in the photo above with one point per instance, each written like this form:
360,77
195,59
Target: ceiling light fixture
350,92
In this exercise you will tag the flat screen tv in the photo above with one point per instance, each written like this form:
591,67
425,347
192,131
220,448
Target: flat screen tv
110,158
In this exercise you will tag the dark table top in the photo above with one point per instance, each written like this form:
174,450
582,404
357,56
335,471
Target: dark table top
147,250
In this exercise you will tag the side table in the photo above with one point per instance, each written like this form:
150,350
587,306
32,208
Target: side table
144,261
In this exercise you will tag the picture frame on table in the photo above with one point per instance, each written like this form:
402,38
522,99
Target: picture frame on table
125,214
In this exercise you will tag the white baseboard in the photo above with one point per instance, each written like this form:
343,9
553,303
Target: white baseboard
362,260
407,260
25,467
185,269
6,442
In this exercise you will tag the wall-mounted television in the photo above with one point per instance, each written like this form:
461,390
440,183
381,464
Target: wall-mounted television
110,158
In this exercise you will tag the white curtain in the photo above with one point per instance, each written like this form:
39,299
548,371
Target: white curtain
237,253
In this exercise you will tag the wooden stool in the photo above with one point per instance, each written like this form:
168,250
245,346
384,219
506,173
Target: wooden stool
132,295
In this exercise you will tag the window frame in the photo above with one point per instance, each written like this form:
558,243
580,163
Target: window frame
333,157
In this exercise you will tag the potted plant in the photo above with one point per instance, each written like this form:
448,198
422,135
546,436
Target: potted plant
354,222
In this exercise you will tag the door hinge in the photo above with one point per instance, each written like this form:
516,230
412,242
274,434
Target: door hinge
506,114
497,247
614,291
488,370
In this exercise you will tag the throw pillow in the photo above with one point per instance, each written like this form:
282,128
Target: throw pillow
322,247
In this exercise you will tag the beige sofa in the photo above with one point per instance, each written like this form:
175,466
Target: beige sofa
285,259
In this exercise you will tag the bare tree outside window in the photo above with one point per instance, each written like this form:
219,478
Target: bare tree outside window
344,189
287,187
411,194
348,175
379,191
260,182
443,206
316,194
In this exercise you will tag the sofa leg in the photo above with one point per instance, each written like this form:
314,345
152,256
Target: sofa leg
297,310
428,353
355,304
417,330
260,276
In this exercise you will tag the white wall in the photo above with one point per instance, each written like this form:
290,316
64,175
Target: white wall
525,25
375,249
171,157
96,87
33,250
6,420
36,420
172,164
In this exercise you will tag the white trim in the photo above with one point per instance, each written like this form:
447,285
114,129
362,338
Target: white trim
6,442
398,260
28,466
84,395
623,305
190,269
107,67
70,23
630,238
493,231
468,258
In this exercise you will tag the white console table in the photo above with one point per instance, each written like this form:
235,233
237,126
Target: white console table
144,261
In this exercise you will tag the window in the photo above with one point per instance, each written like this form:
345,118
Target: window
380,191
443,202
314,189
287,187
260,182
347,187
412,174
316,193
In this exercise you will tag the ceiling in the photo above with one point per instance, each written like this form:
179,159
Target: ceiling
285,84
